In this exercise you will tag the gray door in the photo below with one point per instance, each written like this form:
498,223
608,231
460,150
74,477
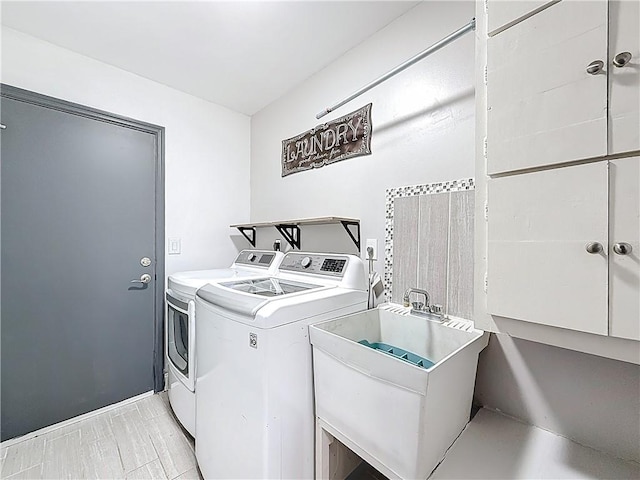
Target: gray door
79,212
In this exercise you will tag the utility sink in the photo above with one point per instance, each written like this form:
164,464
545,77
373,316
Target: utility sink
399,414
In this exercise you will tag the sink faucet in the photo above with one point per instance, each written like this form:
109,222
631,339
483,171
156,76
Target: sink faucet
434,311
409,291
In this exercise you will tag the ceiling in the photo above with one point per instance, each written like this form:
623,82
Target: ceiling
239,54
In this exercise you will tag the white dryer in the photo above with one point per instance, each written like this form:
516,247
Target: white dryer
180,328
255,381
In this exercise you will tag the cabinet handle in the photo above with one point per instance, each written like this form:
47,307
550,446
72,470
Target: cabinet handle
595,67
622,248
593,247
621,59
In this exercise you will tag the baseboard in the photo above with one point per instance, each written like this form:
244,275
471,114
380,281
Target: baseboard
71,421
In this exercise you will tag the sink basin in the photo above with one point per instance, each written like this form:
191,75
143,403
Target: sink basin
399,415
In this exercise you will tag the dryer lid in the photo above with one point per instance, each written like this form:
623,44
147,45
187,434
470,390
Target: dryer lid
188,282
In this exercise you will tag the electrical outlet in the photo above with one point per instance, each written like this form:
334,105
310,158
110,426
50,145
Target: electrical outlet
373,243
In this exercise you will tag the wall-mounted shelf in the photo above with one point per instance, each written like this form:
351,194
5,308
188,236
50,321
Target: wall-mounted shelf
290,229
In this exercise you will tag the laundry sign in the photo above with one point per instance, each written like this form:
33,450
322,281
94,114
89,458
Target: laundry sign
345,137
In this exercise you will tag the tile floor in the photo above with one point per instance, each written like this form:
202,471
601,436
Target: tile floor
141,440
499,447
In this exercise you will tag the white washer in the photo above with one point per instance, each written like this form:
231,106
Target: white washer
255,381
181,325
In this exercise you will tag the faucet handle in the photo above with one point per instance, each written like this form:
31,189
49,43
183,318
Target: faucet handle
418,305
436,309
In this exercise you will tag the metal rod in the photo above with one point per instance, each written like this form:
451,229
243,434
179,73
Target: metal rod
2,126
436,46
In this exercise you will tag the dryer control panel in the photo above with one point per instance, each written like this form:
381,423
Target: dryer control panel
256,258
313,263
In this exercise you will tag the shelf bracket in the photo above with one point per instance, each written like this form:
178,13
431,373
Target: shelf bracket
291,234
355,238
249,233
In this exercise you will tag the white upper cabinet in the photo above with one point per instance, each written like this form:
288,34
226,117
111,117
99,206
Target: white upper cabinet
624,76
624,256
539,268
502,14
564,245
564,85
560,248
544,107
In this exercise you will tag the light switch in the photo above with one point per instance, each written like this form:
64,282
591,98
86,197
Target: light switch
173,247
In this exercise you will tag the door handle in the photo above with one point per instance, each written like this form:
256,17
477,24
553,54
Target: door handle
144,279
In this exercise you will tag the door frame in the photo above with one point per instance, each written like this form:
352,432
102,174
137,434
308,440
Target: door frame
26,96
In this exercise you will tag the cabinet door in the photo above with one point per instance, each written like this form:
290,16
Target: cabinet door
538,268
624,227
543,106
624,82
501,14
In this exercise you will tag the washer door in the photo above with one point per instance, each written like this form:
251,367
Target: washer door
181,340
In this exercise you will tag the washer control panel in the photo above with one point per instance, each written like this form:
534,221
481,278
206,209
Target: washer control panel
258,258
318,264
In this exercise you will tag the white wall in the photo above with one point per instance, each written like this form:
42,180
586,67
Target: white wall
423,123
206,146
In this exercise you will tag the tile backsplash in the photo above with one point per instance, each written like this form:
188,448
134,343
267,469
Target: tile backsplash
429,243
